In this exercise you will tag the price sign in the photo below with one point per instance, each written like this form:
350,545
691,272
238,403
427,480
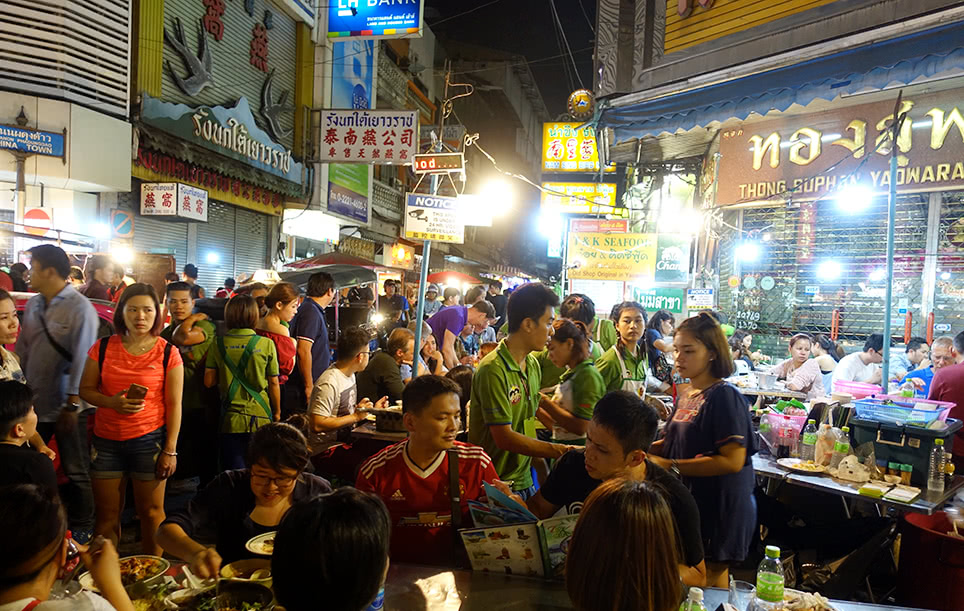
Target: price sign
439,163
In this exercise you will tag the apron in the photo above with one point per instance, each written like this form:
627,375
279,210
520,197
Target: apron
634,385
563,397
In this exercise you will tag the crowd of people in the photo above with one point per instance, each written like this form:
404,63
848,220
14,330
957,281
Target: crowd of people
550,403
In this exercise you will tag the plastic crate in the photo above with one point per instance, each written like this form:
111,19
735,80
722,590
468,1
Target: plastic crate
904,411
903,444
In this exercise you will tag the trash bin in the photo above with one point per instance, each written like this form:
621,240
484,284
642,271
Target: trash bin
931,564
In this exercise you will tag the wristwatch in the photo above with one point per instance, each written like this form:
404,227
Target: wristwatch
72,408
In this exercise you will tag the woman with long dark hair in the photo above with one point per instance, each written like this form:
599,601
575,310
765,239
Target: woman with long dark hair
137,379
625,366
825,352
658,344
580,386
624,551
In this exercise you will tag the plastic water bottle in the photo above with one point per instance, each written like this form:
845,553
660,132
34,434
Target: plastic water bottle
808,445
841,447
935,470
769,579
907,389
694,601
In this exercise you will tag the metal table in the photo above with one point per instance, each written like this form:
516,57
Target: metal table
761,394
411,587
366,430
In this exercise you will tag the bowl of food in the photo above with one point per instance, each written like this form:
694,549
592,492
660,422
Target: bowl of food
253,570
193,600
243,596
134,569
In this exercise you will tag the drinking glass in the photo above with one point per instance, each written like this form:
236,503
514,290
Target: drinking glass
741,593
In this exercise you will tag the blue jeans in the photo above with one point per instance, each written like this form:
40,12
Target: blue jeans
234,450
137,457
527,493
74,452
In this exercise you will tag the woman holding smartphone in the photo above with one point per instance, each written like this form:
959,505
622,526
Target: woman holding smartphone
136,378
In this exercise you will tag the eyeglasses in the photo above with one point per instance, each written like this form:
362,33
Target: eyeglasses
280,482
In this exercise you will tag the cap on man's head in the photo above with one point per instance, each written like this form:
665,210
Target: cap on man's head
432,288
190,270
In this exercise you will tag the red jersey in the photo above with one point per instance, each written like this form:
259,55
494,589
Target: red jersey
418,500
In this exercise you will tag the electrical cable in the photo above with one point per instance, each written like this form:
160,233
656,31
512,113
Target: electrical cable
565,39
592,28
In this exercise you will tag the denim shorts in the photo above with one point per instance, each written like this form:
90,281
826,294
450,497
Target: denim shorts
136,457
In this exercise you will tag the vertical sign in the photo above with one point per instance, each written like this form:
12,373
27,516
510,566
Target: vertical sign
349,191
805,232
158,199
352,74
192,203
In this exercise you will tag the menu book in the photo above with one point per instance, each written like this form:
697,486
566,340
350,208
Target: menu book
509,539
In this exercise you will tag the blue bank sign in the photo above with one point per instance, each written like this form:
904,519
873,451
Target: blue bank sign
375,18
32,142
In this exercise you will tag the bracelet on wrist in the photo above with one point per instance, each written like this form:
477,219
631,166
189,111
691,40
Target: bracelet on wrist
166,453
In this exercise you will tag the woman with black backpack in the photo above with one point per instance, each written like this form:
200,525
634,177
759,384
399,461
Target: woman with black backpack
137,380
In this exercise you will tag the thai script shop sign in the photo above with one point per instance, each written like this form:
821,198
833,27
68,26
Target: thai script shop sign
670,300
174,199
432,217
32,142
378,137
628,257
567,147
813,155
231,132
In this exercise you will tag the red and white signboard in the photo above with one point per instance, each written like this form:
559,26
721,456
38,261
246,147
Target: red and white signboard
372,137
599,225
192,203
159,199
38,221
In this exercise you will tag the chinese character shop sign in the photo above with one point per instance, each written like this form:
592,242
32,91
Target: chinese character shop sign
192,203
568,148
174,199
380,137
436,218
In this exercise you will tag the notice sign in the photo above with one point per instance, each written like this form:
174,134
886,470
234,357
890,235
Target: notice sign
670,300
432,217
31,141
699,299
159,199
192,203
627,257
370,137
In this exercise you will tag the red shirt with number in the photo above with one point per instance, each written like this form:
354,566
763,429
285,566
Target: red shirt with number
418,499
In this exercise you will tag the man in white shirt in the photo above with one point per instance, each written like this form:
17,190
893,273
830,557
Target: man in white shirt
862,366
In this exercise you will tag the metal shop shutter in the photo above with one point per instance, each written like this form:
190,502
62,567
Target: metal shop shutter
215,247
156,235
251,241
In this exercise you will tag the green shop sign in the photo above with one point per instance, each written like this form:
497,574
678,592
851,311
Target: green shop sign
672,257
231,132
671,300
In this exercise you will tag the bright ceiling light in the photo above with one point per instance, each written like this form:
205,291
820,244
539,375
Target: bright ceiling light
829,270
854,198
212,258
878,274
101,231
748,251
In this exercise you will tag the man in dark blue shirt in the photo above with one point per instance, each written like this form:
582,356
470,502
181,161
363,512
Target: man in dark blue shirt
310,330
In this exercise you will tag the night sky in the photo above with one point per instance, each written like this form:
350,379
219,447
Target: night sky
524,27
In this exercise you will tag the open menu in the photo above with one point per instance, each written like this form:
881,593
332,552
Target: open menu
509,539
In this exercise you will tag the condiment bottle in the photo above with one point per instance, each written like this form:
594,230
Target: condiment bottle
905,473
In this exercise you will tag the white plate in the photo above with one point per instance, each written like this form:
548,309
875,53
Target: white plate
794,465
87,580
256,545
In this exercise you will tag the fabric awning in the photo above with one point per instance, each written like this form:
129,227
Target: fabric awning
898,61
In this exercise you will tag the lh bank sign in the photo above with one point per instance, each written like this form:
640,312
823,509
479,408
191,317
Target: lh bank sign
374,18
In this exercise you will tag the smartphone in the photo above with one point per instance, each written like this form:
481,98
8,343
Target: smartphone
136,392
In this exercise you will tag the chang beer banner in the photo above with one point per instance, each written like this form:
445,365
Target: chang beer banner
672,258
671,300
627,257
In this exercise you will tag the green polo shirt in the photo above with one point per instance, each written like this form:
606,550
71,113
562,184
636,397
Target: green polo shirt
244,414
503,394
550,373
612,372
605,330
587,388
194,358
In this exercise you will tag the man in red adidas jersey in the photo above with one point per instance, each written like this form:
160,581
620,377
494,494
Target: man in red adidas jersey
412,477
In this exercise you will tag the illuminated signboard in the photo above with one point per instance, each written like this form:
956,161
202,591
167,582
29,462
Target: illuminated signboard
570,147
578,198
438,163
375,18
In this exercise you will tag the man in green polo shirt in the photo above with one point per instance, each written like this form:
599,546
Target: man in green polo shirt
505,391
193,335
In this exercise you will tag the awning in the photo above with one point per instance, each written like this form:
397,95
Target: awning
898,61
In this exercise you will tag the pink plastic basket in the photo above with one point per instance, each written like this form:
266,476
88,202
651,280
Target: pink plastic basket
859,390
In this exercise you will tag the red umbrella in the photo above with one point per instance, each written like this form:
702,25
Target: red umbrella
443,277
333,258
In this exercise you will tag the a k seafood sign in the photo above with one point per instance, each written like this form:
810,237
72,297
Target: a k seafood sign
806,157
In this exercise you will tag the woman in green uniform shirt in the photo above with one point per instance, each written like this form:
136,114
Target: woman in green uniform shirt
580,386
624,366
577,307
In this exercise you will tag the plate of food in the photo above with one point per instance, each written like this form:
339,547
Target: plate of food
263,545
802,466
134,569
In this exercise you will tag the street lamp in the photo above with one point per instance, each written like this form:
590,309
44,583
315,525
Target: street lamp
498,195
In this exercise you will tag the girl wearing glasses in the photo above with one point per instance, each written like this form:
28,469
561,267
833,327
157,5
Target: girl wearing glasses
243,503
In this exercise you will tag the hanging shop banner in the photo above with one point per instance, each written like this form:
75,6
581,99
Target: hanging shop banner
599,225
375,18
350,192
352,74
357,247
806,157
581,198
229,131
672,257
670,300
192,203
377,137
699,299
627,257
159,199
433,217
604,293
32,141
567,147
